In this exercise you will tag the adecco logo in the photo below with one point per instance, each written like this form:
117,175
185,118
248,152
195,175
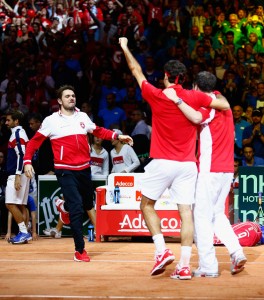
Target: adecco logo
124,181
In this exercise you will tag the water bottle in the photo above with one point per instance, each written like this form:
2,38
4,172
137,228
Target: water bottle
117,194
90,235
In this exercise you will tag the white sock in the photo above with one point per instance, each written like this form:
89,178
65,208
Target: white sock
159,242
186,252
22,227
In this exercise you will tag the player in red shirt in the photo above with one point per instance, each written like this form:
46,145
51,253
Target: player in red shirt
216,168
173,165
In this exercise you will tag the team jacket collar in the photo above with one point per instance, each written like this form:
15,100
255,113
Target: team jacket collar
76,111
15,128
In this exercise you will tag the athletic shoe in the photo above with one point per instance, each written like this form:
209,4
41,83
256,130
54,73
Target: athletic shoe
183,273
238,262
53,232
21,238
199,273
162,260
81,257
64,215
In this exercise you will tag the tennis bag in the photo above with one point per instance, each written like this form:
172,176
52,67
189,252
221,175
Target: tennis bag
249,234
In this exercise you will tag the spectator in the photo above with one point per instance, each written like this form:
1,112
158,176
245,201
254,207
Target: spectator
11,96
260,96
233,26
140,126
248,114
123,157
240,125
112,114
249,158
254,134
99,158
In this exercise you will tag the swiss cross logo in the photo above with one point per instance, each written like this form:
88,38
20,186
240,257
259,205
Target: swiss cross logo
124,181
82,124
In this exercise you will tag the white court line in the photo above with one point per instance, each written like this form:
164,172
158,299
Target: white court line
105,260
115,297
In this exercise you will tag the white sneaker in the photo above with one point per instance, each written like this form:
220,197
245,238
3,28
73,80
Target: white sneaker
200,273
53,232
238,261
47,231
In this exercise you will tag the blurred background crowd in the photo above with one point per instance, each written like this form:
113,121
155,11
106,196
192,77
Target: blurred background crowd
48,43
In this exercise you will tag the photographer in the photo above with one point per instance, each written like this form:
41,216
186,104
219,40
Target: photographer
254,134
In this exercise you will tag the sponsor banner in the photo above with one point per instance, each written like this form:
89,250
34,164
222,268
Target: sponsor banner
250,184
132,223
48,192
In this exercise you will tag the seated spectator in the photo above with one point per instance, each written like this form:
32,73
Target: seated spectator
240,125
253,25
107,87
129,81
254,134
123,157
99,158
249,158
248,114
260,97
255,43
199,19
11,96
140,126
130,101
233,26
112,114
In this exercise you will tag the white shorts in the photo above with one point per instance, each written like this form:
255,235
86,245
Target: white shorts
178,177
17,197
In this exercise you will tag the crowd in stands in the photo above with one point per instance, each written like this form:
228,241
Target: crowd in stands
45,44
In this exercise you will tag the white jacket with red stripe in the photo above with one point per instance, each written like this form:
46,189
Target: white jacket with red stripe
68,136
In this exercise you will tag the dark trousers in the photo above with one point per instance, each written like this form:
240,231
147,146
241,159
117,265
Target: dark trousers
77,191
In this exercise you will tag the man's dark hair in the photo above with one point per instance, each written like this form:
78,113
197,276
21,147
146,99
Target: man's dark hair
61,89
205,81
15,115
36,116
230,33
175,69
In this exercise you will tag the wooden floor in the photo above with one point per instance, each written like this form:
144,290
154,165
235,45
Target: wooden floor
119,269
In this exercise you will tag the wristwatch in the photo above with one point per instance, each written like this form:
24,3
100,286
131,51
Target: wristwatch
179,101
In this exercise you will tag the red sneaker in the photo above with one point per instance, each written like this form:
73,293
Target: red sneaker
64,215
162,260
81,257
183,273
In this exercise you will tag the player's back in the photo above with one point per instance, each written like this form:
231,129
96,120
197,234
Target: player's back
173,136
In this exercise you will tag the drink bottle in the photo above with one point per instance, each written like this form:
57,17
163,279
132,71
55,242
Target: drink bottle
117,194
90,235
260,215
